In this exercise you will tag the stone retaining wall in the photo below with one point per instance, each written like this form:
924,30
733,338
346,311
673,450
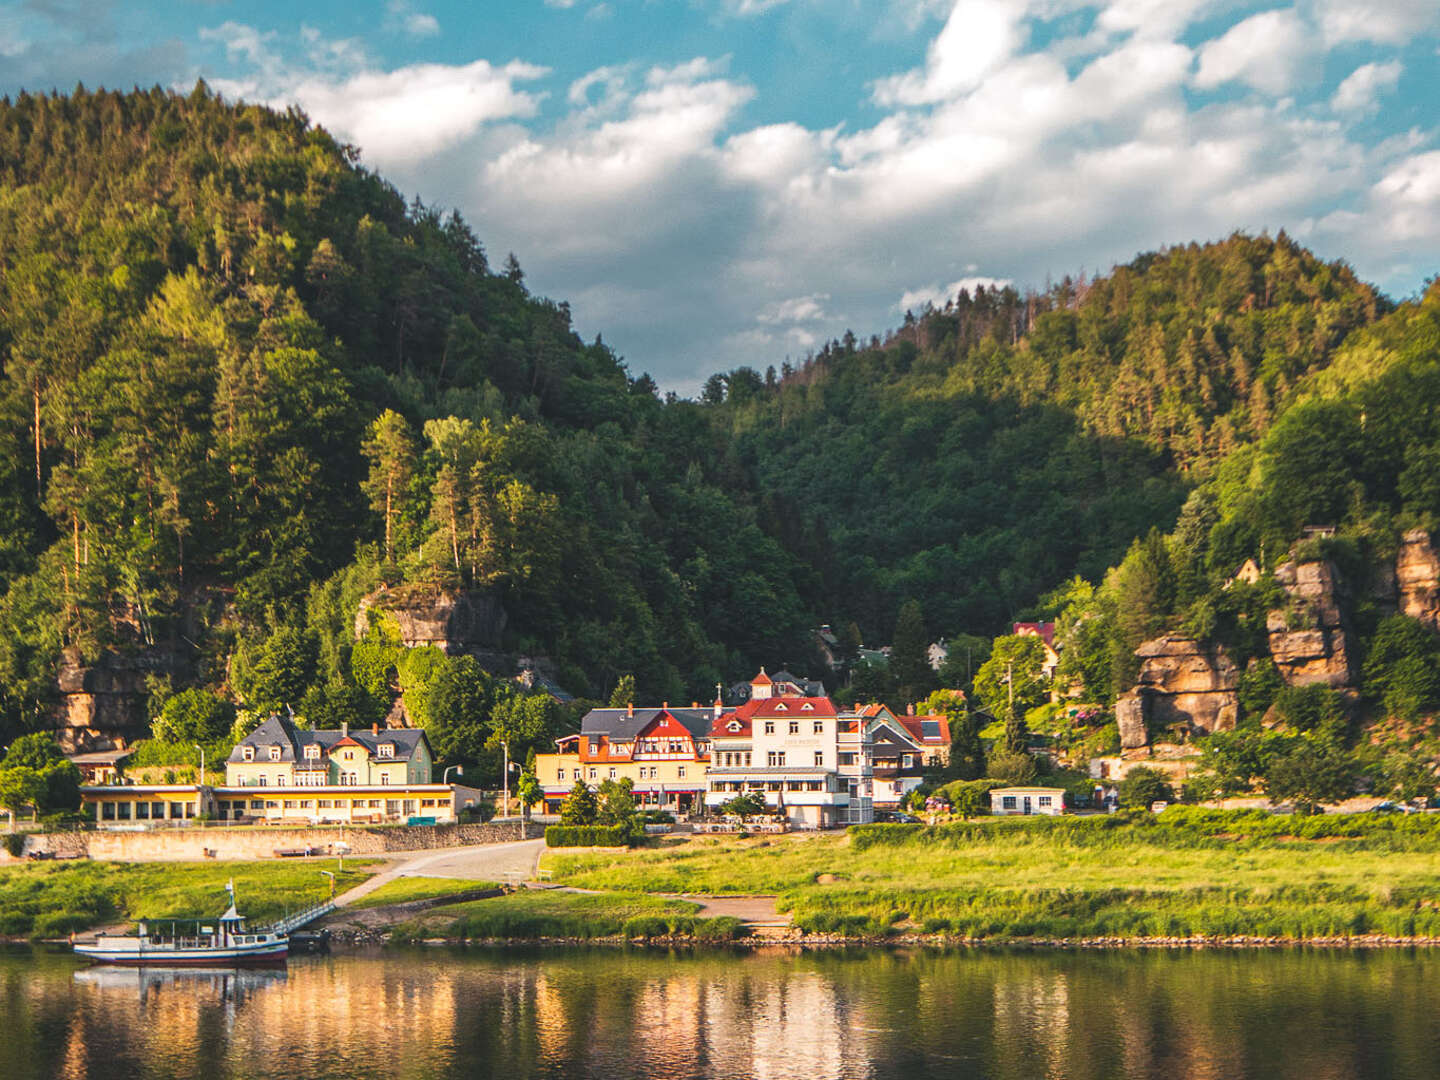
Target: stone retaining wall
261,842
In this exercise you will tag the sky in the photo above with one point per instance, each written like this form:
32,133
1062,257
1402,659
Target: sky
712,183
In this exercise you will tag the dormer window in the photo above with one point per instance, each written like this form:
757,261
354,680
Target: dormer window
312,752
248,753
386,749
274,753
782,707
807,707
734,725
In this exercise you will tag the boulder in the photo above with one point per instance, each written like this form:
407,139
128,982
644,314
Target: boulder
1308,637
1417,573
1188,684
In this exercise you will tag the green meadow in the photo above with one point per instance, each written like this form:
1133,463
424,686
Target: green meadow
1186,873
52,899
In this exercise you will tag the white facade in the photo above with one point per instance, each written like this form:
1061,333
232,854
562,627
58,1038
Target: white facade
1013,801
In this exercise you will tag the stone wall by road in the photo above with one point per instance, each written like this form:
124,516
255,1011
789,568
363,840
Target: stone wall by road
261,842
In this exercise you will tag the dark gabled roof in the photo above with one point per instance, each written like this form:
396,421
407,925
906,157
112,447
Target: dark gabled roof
621,725
292,740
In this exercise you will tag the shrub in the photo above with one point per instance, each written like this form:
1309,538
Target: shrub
1143,786
15,843
645,926
587,836
744,806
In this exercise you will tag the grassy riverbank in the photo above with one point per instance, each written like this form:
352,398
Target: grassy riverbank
1186,873
534,915
407,890
52,899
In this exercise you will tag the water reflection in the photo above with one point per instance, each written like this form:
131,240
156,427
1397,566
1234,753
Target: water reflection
1285,1015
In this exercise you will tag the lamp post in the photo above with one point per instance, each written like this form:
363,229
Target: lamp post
505,806
331,875
459,771
202,762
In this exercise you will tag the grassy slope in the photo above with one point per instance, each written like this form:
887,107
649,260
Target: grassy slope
534,914
1012,879
405,890
51,899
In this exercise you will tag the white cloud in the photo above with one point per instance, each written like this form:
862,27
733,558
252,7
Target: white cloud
978,37
940,295
1384,22
1361,90
797,309
1269,52
403,17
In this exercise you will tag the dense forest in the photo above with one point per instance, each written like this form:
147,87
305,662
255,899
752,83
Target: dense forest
246,385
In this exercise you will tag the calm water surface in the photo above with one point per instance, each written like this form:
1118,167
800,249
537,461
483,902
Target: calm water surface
608,1013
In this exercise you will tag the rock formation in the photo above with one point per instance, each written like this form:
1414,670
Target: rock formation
1308,638
1182,683
1417,572
102,705
456,622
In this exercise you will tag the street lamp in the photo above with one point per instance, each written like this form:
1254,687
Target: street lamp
505,806
459,771
331,875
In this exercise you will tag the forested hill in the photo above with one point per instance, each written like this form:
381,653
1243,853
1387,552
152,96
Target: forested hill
245,384
990,449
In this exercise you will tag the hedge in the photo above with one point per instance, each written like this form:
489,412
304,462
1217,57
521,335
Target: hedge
586,836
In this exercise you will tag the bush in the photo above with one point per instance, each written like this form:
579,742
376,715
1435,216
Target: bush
15,844
645,926
587,836
1143,786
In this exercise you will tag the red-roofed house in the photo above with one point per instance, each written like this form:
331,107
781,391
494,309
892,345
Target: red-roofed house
1045,631
801,755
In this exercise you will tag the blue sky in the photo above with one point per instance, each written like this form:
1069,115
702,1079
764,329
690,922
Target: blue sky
717,182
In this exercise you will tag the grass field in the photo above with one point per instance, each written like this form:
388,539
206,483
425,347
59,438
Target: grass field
536,914
1201,873
51,899
405,890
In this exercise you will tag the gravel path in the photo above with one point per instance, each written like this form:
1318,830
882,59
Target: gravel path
480,862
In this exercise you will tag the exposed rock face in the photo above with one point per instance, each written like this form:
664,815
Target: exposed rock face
1417,572
1130,718
456,622
1308,638
1182,683
102,706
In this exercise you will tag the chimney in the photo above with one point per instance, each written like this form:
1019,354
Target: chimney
344,729
630,709
694,704
719,702
665,705
375,728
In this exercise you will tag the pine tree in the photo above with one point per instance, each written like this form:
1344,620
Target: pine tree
391,451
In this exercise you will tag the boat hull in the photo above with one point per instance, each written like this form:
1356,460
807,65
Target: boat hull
272,953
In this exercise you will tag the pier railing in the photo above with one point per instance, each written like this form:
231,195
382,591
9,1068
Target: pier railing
303,918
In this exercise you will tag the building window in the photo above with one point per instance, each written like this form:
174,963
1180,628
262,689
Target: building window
1044,800
1007,802
385,778
769,727
248,753
794,727
907,761
274,753
819,758
312,752
847,759
387,750
819,727
263,781
681,772
593,773
142,811
775,759
612,772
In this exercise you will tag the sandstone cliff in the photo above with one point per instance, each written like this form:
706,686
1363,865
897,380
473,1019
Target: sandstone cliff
1308,637
455,622
1182,683
1417,574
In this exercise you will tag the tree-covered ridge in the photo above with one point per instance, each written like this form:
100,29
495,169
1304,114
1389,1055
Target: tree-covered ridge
203,310
991,448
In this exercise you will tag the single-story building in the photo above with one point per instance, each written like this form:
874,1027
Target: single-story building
1010,801
126,805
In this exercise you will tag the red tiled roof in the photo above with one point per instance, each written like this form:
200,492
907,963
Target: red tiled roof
913,725
762,679
1043,630
793,706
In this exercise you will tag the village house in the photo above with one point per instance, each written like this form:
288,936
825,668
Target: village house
799,754
904,747
663,752
1012,801
280,772
1045,631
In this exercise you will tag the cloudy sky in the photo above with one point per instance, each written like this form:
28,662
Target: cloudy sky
716,182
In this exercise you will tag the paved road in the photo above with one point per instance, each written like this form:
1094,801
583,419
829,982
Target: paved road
480,862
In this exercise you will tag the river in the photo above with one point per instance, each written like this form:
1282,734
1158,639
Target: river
608,1013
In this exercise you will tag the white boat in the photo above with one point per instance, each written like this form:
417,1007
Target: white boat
225,941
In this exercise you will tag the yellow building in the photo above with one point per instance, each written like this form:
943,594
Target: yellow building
277,754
